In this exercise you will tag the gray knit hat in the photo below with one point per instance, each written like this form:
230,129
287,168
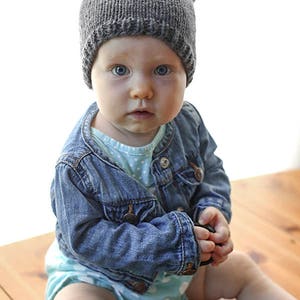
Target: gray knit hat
172,21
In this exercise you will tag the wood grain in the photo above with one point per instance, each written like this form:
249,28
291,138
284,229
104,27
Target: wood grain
22,273
266,225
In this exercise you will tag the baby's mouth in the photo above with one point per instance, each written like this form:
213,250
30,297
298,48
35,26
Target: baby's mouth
141,114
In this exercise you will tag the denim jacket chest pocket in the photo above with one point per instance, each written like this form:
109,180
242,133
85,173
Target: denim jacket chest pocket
183,186
192,175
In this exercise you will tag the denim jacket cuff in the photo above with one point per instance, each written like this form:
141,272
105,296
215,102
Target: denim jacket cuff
190,259
220,204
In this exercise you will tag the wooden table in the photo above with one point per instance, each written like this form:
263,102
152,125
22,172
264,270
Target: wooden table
266,224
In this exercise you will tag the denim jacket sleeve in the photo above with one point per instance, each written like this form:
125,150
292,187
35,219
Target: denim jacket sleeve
215,188
165,243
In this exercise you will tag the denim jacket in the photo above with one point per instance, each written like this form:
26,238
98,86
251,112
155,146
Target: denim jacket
109,222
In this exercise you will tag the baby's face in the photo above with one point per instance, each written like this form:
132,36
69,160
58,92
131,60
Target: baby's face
139,84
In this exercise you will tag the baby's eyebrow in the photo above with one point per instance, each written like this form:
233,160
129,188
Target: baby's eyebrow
117,56
120,57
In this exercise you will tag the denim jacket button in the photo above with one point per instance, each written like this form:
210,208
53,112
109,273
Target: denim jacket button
198,172
139,287
180,209
164,162
190,270
130,216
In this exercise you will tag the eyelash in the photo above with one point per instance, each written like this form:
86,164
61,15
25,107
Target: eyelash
116,70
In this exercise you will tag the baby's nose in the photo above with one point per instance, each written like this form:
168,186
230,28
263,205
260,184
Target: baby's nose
141,88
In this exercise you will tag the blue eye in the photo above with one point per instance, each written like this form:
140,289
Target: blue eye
120,70
162,70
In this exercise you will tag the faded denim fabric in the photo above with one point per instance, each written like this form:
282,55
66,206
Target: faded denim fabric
91,197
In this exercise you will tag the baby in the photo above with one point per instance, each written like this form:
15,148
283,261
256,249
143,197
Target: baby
138,185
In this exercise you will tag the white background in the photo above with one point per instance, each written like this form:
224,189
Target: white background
247,88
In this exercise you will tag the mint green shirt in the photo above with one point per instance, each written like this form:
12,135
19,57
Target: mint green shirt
136,161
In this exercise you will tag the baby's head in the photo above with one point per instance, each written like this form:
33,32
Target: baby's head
172,21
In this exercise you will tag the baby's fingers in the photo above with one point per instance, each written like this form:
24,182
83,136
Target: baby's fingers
206,246
201,233
221,235
216,260
224,249
221,253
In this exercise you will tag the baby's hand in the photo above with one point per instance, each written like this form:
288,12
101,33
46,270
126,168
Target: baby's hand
221,238
207,247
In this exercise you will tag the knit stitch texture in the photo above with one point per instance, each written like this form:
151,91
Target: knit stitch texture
172,21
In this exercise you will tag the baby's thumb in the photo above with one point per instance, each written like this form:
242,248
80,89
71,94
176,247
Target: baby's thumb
206,217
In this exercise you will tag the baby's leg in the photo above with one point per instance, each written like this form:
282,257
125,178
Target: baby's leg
195,291
238,277
79,291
